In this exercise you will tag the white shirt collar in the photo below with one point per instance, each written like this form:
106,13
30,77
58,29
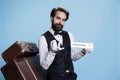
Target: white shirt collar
51,31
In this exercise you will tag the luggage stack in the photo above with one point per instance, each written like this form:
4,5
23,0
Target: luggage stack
22,62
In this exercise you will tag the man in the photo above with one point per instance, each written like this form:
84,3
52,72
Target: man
56,53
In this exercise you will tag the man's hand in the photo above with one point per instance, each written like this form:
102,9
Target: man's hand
87,50
53,46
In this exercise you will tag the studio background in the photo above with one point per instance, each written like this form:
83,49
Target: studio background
96,21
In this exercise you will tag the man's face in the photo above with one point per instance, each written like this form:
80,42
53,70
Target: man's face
58,21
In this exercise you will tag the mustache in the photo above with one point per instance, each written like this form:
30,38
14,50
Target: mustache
59,24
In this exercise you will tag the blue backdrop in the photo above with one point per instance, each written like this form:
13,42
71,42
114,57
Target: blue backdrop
96,21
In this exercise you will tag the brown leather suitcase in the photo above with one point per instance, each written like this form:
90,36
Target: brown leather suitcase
20,49
25,68
9,73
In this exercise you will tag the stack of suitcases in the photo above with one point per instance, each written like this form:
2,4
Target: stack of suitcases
22,62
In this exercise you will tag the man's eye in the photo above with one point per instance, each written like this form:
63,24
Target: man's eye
58,17
64,20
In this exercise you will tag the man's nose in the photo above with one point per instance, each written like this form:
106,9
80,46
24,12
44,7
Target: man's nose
61,21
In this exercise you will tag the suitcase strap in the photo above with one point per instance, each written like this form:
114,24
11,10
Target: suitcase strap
27,62
30,68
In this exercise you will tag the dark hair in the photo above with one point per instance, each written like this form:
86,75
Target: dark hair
54,10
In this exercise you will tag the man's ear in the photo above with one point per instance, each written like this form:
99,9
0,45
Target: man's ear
51,18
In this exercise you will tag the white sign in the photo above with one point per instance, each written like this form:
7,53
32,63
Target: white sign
82,45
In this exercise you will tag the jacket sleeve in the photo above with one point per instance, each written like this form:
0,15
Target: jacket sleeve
75,55
46,57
